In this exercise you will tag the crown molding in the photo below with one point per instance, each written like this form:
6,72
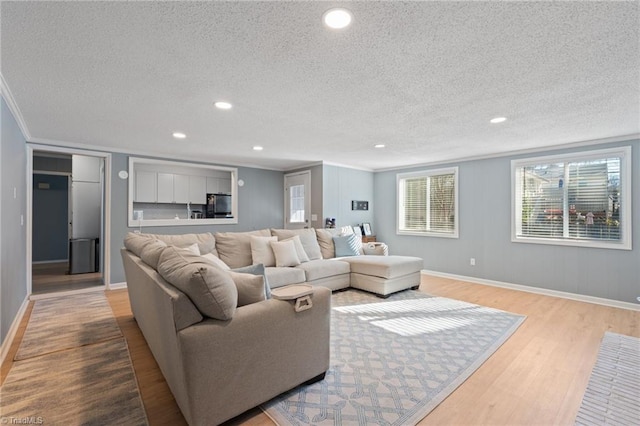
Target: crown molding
514,153
13,107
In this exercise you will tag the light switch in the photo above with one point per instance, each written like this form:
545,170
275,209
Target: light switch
314,217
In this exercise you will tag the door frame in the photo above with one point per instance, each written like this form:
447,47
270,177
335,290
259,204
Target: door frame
307,198
105,232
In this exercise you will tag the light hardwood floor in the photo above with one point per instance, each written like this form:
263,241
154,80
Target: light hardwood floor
537,377
55,277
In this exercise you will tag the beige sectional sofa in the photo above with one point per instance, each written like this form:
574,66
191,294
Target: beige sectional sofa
203,303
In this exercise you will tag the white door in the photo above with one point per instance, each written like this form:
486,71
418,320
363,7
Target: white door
297,200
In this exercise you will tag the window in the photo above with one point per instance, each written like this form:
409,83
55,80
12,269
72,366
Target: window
579,199
428,203
296,203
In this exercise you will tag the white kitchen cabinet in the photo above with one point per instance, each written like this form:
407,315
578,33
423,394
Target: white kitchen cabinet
181,189
146,184
224,186
218,185
198,189
165,188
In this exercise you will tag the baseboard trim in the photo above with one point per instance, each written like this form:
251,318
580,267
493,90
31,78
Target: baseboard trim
43,262
6,344
538,290
117,286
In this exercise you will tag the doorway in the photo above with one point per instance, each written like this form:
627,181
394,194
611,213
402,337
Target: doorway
67,222
297,199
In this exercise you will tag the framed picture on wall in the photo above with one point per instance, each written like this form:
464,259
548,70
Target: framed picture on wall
366,228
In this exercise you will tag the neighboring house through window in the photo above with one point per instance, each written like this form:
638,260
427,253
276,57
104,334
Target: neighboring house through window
582,198
428,203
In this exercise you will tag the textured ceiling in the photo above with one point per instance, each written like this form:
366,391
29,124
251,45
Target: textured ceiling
423,78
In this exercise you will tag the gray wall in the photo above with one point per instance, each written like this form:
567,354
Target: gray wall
341,185
485,234
13,237
260,205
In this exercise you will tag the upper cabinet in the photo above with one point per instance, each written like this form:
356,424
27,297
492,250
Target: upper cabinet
169,193
146,184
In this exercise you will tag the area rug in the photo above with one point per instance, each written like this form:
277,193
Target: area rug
88,385
613,393
66,322
394,360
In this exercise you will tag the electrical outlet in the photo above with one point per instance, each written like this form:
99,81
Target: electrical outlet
472,261
138,215
638,298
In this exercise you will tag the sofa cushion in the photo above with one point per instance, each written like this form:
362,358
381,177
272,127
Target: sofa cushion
206,241
284,276
347,245
250,287
150,253
234,248
323,268
261,251
307,238
325,241
136,242
285,253
210,288
258,269
384,266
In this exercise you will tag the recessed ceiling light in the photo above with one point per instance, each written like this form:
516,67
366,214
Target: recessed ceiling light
337,18
257,148
179,135
498,120
379,145
222,105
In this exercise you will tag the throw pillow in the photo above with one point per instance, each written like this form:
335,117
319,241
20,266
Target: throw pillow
193,248
285,252
346,245
250,287
302,255
261,251
211,289
307,238
257,270
325,241
213,259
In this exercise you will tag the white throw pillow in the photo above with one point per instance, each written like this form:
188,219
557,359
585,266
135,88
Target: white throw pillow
285,252
193,248
261,251
302,255
212,258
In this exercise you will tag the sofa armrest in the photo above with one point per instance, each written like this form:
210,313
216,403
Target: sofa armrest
375,248
265,349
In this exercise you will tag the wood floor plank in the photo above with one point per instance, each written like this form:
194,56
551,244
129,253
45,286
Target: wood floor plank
537,377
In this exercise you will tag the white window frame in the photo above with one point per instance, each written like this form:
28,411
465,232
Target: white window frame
624,153
400,204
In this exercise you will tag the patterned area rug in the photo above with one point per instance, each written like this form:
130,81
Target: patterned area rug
613,393
91,383
394,360
67,322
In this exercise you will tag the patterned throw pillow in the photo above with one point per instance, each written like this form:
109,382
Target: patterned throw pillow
347,245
